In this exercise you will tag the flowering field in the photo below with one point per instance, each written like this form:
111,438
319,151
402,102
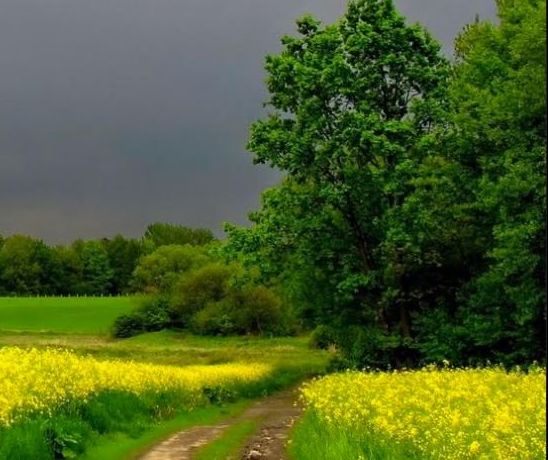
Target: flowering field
440,414
39,381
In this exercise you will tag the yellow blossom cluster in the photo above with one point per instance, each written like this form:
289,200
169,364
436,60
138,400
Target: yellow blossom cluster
439,414
34,380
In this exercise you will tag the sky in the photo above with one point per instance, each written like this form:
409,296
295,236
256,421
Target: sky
118,113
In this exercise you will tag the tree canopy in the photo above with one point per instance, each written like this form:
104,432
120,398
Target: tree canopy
411,213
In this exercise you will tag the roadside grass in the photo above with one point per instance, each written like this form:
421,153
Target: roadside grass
65,315
230,443
312,440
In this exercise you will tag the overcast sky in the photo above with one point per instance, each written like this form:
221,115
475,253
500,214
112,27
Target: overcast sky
118,113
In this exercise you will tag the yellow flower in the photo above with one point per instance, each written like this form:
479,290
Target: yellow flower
40,380
474,447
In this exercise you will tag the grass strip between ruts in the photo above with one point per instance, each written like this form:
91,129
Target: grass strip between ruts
229,444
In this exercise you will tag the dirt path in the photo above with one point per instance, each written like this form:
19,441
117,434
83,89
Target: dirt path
274,414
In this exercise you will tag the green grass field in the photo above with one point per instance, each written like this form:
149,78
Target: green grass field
65,315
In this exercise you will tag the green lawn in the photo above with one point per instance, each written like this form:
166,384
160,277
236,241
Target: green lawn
67,315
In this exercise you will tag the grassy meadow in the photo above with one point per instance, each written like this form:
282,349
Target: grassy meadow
62,315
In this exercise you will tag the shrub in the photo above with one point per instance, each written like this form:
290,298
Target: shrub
249,310
199,288
215,319
257,310
154,314
323,337
127,326
157,272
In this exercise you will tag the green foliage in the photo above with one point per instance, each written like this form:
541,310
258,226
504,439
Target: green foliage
411,217
161,234
123,256
352,103
153,314
248,310
22,265
323,337
160,270
96,267
96,271
127,325
199,288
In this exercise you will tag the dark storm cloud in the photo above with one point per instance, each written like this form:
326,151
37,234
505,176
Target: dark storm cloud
117,113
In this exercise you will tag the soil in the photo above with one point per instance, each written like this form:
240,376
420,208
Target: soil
275,415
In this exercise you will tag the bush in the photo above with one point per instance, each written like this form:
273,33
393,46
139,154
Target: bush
153,315
214,319
157,272
250,310
127,326
257,311
323,337
199,288
156,314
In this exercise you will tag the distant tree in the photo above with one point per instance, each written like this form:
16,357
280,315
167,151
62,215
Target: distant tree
65,273
158,271
22,265
123,255
96,275
162,234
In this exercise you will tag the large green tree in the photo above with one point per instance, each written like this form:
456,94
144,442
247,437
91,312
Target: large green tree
351,105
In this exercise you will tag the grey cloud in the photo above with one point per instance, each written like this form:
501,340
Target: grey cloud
117,113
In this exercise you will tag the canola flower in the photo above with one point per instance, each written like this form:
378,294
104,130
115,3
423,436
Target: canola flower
439,414
38,381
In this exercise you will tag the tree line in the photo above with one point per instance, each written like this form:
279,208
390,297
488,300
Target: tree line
28,266
410,223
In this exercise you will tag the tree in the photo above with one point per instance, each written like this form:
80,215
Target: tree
162,234
492,204
96,274
352,104
123,255
158,271
22,261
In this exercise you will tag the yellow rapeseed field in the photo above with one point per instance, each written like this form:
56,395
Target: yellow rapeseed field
41,380
442,414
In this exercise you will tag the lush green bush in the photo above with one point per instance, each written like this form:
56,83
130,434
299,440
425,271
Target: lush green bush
127,326
199,288
154,314
250,310
160,270
323,337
